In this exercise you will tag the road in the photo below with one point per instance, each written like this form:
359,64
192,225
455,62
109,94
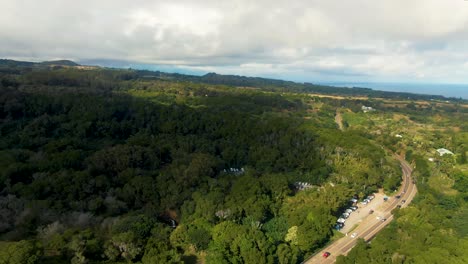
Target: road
370,226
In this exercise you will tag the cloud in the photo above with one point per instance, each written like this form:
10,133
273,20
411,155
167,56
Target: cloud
387,40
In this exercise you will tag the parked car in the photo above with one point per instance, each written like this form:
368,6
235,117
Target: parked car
338,226
345,215
398,196
354,208
370,197
354,200
403,201
326,254
341,220
365,201
349,211
353,235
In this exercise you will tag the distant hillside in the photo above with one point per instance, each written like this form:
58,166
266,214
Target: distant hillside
14,63
15,67
60,63
283,86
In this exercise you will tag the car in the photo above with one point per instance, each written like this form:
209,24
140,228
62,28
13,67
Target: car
326,254
354,200
370,197
345,215
398,206
364,202
383,219
378,218
398,196
354,208
339,225
341,220
403,201
353,235
349,211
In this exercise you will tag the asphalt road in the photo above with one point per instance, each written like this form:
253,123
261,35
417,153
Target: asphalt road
370,226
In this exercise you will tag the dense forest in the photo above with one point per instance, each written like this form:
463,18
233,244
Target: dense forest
122,166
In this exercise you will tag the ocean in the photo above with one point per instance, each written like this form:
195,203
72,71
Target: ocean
447,90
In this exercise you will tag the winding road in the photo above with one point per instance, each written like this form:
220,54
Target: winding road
370,226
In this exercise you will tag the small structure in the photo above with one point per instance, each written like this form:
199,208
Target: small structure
300,186
366,109
443,151
234,171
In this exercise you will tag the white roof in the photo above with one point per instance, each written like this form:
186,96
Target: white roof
443,151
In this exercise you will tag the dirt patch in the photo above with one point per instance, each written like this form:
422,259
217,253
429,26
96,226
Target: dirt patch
339,120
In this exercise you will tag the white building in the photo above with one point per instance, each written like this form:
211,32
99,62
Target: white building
443,151
366,109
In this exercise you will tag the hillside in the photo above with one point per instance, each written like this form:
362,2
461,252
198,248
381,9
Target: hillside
122,166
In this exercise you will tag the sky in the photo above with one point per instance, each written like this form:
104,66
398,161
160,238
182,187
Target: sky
301,40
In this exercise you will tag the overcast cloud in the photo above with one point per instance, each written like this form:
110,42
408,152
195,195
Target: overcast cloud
360,40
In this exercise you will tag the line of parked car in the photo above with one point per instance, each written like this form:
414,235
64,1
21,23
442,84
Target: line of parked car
342,219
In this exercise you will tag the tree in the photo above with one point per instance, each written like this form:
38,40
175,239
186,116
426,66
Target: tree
22,252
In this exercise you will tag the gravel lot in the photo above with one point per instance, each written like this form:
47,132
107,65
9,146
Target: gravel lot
362,212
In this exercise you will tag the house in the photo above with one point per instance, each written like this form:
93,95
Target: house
443,151
366,109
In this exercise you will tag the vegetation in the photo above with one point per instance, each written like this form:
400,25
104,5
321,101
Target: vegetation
121,166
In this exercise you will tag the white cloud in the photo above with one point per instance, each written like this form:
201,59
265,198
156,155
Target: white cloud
391,40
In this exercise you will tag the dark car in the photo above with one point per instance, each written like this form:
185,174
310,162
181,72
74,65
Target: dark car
338,226
326,254
398,196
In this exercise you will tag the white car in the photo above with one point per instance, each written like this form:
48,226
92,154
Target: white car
348,211
353,235
341,220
